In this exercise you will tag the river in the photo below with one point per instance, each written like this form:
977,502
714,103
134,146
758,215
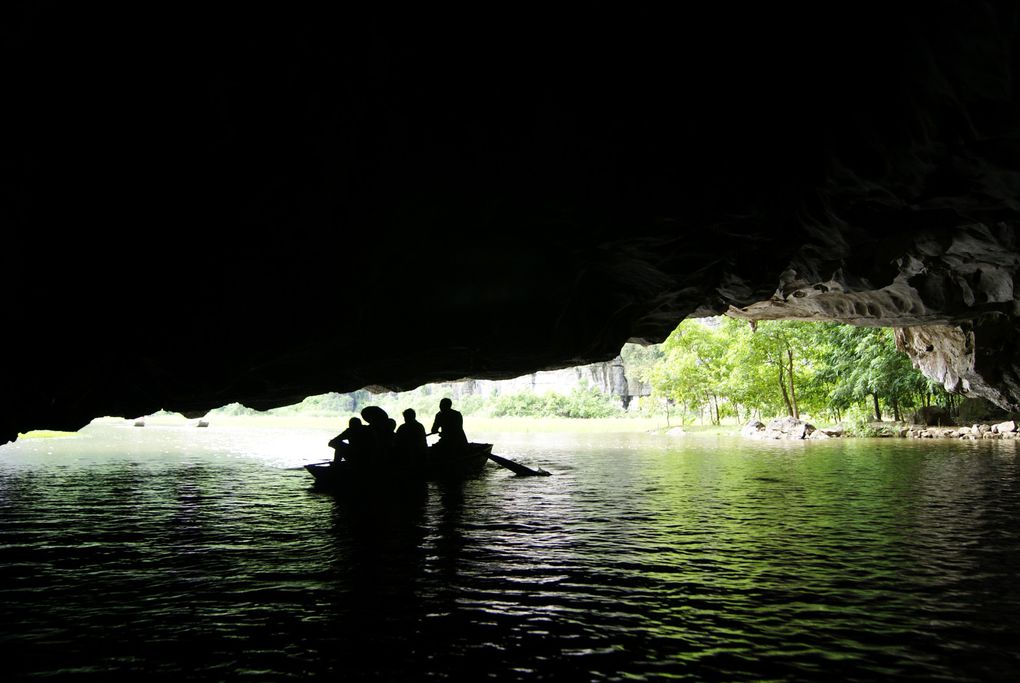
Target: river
179,553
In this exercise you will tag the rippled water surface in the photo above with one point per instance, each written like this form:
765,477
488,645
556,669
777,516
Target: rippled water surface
201,554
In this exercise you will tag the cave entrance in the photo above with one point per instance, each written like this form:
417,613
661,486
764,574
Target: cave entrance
709,373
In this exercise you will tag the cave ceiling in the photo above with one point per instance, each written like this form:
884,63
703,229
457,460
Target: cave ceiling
258,206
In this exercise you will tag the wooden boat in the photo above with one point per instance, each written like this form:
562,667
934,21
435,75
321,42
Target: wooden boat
467,463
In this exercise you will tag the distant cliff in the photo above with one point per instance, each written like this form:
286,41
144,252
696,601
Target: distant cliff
610,377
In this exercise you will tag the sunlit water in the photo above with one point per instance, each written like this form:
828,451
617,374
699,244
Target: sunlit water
180,553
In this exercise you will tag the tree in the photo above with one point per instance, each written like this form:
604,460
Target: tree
784,366
693,368
778,359
863,364
752,380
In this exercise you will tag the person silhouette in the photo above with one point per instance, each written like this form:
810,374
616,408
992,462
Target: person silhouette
381,426
449,424
409,440
354,444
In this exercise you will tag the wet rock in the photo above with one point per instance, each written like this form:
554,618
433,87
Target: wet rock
753,429
780,428
1003,427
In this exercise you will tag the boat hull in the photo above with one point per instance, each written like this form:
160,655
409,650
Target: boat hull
433,467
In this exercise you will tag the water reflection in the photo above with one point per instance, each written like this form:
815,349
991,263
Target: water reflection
194,556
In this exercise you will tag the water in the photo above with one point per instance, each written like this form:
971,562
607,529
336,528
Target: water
176,553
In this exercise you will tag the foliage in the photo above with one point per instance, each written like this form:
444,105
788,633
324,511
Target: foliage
327,404
693,367
641,359
861,427
862,364
579,403
471,405
709,369
773,366
519,405
822,370
425,403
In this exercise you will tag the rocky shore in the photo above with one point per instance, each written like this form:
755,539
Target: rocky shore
788,429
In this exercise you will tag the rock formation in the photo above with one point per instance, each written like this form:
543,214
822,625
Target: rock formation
609,378
257,207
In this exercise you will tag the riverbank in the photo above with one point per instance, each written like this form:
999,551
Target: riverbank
45,434
788,428
611,425
472,424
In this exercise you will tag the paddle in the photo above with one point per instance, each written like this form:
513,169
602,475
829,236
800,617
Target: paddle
515,467
518,468
301,467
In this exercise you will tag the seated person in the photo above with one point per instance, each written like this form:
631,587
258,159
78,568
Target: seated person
381,426
410,441
355,444
449,424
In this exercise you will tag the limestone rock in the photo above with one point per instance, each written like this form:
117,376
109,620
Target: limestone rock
780,428
1003,427
753,429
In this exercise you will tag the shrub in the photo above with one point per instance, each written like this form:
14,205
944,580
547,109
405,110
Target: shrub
579,403
862,428
469,405
519,405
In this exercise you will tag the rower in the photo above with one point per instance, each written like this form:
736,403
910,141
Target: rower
449,424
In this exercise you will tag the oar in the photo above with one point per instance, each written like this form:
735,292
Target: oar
518,468
301,467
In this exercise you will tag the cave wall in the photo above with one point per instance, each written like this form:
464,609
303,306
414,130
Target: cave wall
950,297
264,204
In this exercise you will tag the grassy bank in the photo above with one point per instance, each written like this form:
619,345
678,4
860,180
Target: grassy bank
45,434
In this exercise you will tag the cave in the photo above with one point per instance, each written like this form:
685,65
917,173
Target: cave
269,204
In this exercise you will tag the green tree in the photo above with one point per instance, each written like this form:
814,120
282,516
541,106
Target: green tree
863,364
751,382
786,367
693,368
640,359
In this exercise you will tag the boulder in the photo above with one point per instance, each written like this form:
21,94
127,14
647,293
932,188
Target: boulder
753,429
1003,427
780,428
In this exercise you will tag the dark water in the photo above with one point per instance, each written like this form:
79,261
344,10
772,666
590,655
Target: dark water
194,554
